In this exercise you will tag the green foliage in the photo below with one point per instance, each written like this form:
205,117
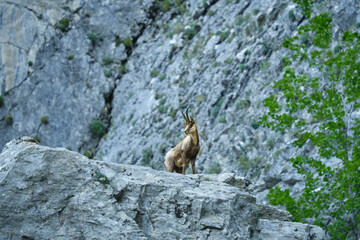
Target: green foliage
37,138
107,73
107,61
70,57
240,20
9,119
265,66
97,128
30,63
246,164
173,113
122,69
64,24
128,42
331,197
165,5
254,124
162,77
44,119
100,177
255,11
222,119
147,155
243,104
93,37
223,35
190,32
88,154
200,98
154,73
215,168
1,101
117,41
229,60
292,16
216,108
242,67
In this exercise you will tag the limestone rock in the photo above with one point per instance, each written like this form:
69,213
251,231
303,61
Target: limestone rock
53,193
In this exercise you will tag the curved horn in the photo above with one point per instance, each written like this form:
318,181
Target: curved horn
187,115
184,116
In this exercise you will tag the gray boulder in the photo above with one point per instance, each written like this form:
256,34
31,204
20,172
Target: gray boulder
54,193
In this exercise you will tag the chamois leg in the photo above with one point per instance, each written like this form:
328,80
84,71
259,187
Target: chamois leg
169,163
183,157
193,165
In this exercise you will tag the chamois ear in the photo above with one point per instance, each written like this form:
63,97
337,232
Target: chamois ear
192,120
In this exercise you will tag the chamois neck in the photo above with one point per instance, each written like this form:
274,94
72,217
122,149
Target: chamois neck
195,138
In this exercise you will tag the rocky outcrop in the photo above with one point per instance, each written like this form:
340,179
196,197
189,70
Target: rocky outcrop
134,65
53,193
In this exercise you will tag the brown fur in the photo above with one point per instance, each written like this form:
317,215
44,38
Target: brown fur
179,157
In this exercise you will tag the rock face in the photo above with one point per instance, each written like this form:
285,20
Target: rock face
53,193
134,65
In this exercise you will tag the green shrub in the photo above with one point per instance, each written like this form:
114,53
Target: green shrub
242,67
223,35
117,41
88,154
292,16
93,37
1,101
246,163
8,119
147,155
97,128
200,98
254,124
107,73
178,27
64,24
215,168
265,66
45,120
229,60
70,57
172,113
154,73
243,104
37,138
128,42
179,2
162,77
337,48
30,63
216,108
107,61
240,20
182,8
165,6
211,13
190,33
255,11
100,177
122,69
222,119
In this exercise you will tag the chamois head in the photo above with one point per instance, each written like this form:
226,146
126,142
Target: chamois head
190,126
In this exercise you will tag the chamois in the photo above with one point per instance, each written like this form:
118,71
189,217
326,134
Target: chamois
179,157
